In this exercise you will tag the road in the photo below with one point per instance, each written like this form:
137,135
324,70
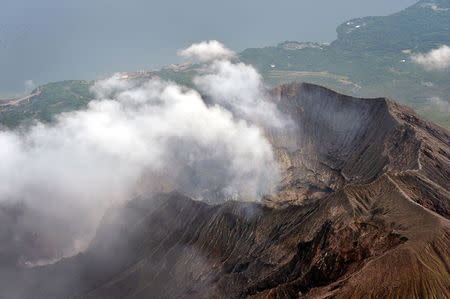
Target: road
15,102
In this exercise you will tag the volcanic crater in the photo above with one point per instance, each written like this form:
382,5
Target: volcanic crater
362,211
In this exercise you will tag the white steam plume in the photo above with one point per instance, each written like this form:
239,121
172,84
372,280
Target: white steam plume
29,86
234,85
436,59
239,88
154,134
207,51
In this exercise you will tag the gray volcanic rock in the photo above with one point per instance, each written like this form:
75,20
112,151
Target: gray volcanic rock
363,211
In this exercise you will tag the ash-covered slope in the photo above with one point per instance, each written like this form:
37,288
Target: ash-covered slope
363,211
340,140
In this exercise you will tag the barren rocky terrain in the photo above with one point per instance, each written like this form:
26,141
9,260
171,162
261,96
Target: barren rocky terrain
363,211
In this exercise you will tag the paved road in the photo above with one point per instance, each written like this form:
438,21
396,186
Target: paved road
15,102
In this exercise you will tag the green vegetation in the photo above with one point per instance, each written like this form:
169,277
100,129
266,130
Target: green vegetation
66,96
370,58
54,98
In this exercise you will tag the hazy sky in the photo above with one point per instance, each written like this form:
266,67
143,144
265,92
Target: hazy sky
49,40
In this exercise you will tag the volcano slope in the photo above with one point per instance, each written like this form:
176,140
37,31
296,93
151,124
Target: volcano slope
362,212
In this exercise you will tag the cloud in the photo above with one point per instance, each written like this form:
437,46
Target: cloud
434,7
439,104
239,87
234,85
29,86
139,137
207,51
436,59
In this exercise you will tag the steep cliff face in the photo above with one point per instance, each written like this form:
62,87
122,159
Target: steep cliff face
363,211
338,140
335,140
